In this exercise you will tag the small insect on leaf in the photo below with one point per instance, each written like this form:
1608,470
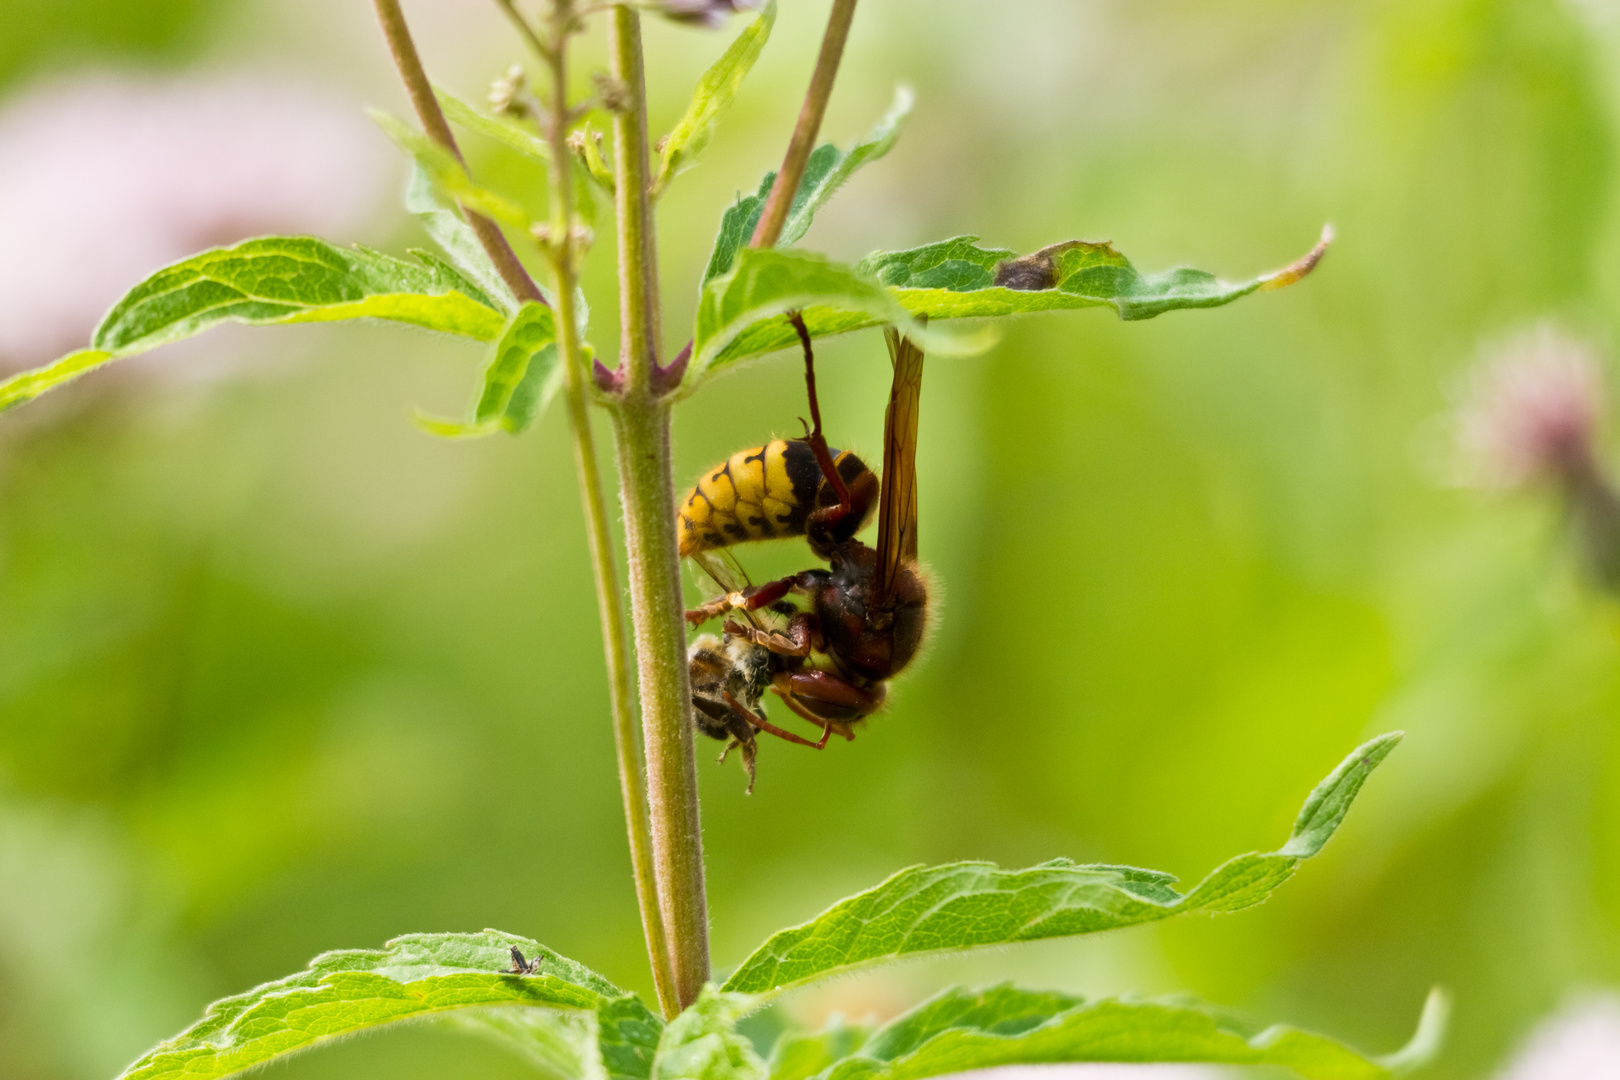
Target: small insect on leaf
521,965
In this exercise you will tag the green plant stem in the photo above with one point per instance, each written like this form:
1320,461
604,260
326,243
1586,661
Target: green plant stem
409,63
808,127
646,479
563,250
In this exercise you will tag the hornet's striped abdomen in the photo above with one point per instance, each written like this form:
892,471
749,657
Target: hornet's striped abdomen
766,492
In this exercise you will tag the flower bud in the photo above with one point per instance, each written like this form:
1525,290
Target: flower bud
506,94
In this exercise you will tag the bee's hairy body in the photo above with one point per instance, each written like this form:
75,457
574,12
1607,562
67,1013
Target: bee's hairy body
766,492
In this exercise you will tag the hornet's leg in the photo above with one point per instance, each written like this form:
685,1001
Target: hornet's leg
818,442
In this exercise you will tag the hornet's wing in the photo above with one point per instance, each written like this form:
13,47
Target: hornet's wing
897,513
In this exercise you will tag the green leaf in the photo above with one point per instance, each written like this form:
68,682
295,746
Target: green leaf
742,313
956,278
520,379
841,165
443,221
266,281
961,1030
800,1055
702,1043
450,176
975,904
826,171
414,977
713,95
558,1044
504,132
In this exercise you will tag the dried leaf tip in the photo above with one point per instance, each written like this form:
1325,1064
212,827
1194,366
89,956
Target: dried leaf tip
1299,267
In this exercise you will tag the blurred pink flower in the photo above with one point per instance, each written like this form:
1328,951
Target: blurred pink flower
1580,1042
1532,410
105,178
710,13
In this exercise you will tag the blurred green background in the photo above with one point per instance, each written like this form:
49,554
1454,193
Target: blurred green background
279,673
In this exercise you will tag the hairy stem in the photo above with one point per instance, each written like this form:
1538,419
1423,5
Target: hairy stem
564,257
398,35
646,478
808,127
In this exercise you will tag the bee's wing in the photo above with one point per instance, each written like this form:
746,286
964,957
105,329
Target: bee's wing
725,571
897,513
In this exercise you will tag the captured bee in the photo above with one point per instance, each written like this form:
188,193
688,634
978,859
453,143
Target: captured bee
868,611
729,676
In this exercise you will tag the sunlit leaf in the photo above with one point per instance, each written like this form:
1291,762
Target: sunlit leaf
521,377
274,279
961,1030
415,977
975,904
712,97
702,1043
826,171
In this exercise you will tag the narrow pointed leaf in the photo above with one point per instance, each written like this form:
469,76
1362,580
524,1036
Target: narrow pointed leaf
415,977
443,221
961,1030
827,170
872,146
277,279
505,132
450,176
974,904
713,95
521,377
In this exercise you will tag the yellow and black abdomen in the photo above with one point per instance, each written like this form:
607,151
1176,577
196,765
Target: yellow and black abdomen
767,492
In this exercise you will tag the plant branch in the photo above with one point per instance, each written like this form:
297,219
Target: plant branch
409,63
808,127
646,478
563,250
546,53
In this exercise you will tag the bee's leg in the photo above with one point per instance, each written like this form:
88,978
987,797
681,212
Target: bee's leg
760,722
801,637
740,726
